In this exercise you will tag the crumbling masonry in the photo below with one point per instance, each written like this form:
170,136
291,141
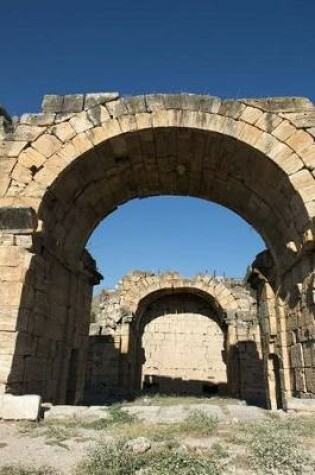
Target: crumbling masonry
64,170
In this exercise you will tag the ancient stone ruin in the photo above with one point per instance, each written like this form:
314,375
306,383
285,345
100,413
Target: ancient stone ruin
164,333
65,169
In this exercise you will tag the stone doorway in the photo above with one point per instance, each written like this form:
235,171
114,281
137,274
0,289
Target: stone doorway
183,347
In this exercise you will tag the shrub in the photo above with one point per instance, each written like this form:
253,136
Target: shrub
115,460
275,449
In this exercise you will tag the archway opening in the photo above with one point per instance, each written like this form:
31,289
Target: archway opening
181,346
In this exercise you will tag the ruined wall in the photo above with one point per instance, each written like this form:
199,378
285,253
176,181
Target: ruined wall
183,346
72,164
286,315
175,338
42,324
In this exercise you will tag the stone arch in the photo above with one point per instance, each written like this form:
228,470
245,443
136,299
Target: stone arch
137,286
140,298
71,166
280,175
181,338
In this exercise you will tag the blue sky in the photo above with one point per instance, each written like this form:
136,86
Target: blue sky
173,233
224,48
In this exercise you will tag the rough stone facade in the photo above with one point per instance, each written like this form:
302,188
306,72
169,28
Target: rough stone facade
183,348
65,169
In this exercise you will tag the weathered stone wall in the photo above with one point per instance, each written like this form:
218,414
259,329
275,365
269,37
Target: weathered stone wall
41,326
288,331
183,347
175,338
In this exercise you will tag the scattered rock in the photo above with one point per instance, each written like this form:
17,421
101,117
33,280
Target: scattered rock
200,443
140,445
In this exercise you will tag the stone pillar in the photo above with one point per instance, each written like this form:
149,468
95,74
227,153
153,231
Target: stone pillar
286,315
16,295
44,315
299,332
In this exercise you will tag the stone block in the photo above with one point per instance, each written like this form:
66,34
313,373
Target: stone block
63,131
28,132
303,182
11,293
308,157
96,115
11,148
47,145
301,120
281,104
21,174
19,407
81,122
96,98
309,353
251,114
231,108
9,256
18,219
240,412
10,274
136,104
310,380
37,119
117,108
300,141
301,405
296,356
192,102
11,368
31,158
52,103
73,103
36,369
66,412
300,385
268,122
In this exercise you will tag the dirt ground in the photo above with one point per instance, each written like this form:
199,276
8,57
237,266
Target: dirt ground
62,443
